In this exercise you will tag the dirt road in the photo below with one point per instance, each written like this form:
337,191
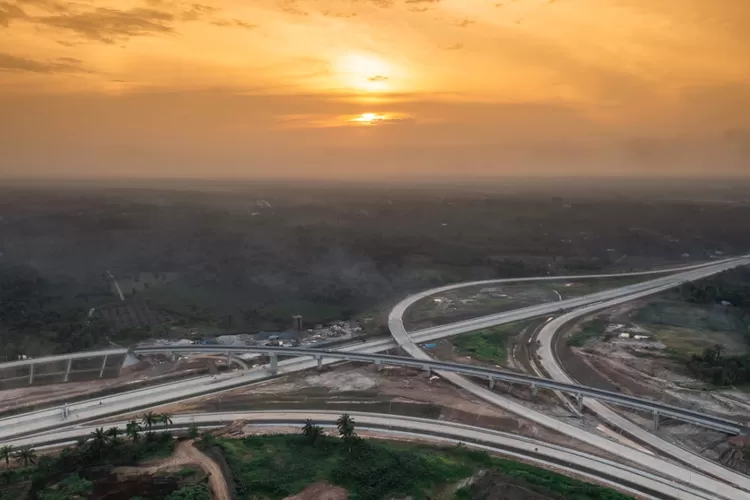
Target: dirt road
187,454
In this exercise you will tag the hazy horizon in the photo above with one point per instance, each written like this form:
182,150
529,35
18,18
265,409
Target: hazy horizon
394,90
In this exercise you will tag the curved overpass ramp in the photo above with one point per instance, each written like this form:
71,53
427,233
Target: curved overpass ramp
627,478
409,344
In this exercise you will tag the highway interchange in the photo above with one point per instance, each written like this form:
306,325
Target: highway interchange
712,480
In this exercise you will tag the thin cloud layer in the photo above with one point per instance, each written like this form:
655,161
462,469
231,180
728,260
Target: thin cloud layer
595,86
61,65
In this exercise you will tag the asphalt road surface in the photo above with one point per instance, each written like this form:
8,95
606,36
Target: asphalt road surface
635,480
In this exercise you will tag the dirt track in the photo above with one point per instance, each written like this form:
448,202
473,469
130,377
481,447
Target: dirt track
187,454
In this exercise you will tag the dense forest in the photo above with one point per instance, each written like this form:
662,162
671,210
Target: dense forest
249,258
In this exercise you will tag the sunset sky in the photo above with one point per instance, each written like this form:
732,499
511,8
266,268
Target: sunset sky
374,88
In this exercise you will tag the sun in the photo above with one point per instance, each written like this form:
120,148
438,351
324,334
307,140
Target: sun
369,118
365,72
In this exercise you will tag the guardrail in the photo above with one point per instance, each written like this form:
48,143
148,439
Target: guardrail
579,391
632,479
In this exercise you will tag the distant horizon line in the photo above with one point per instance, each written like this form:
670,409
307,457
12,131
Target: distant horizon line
431,180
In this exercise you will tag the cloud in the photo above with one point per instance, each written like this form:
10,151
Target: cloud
292,7
9,12
464,23
455,46
378,78
383,4
50,5
198,11
10,62
111,25
228,23
341,15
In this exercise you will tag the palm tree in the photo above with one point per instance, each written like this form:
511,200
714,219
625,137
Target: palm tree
25,456
98,441
99,437
149,419
6,452
312,432
166,419
307,428
114,435
133,430
345,424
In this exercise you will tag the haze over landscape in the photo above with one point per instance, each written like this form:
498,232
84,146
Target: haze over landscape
373,88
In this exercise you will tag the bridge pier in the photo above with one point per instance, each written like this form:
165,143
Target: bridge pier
229,359
491,383
31,374
428,370
274,358
534,389
656,420
320,362
579,401
104,365
67,369
378,365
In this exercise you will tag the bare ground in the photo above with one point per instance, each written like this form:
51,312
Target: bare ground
185,454
400,391
639,369
518,361
34,396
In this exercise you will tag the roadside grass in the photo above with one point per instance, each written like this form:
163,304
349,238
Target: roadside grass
475,301
682,343
578,288
688,328
587,331
277,466
678,313
489,345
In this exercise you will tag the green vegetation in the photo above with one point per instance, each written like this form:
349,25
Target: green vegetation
701,322
712,366
248,257
72,487
273,467
589,330
75,471
489,345
199,491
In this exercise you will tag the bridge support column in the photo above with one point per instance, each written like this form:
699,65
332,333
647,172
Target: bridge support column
491,383
172,357
320,362
656,420
378,366
274,369
533,390
579,402
428,370
31,374
229,359
67,369
104,365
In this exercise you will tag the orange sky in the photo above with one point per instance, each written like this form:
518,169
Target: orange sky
374,88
